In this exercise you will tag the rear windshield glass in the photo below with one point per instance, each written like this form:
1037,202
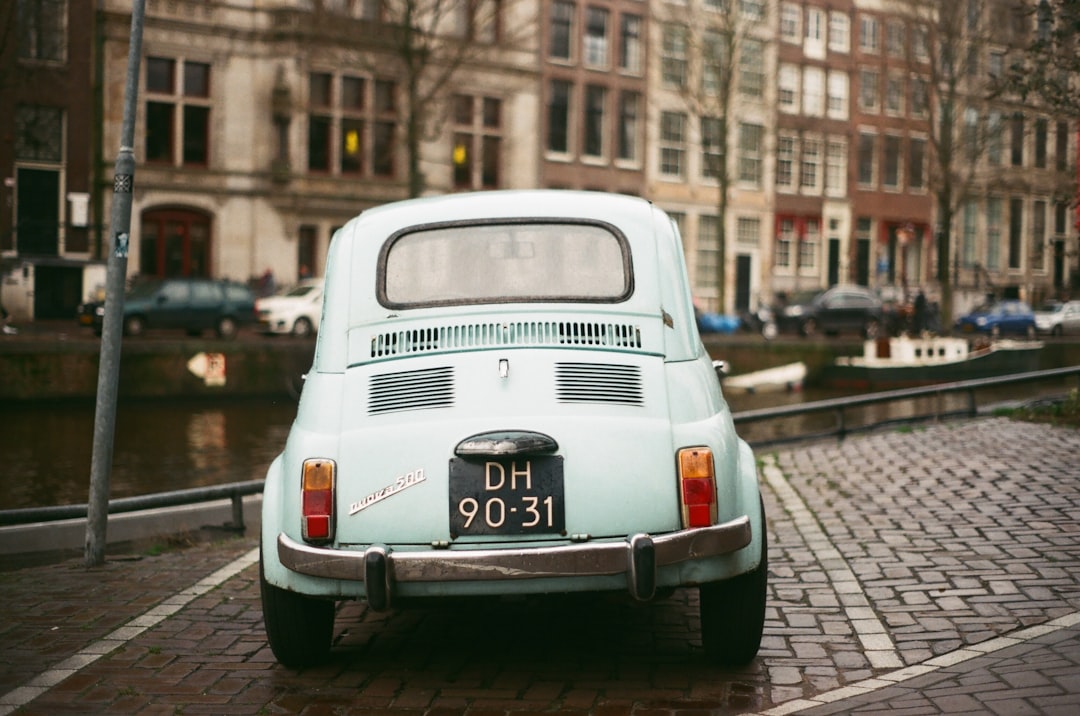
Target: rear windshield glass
494,263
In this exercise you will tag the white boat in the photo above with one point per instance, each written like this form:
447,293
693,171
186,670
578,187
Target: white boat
904,362
783,378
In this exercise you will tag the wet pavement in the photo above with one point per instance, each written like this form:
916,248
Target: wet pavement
931,569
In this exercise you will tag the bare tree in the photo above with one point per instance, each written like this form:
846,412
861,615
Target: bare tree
1048,69
716,34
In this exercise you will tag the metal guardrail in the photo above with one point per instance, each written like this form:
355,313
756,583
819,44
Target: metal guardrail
840,406
236,491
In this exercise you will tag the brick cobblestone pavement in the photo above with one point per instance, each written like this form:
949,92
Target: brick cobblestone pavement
932,569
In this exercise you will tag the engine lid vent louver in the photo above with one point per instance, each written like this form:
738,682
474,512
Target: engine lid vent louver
411,390
598,383
493,335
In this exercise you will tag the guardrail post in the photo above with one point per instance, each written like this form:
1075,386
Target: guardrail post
237,512
841,429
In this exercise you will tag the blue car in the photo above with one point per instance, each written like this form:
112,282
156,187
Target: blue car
999,318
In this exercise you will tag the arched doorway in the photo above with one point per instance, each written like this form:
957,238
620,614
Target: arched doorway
175,242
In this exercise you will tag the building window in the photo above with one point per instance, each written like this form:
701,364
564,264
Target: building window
787,96
747,231
753,10
596,37
672,143
866,159
894,95
673,56
348,132
713,61
890,166
630,47
868,34
1061,147
837,100
839,32
174,242
629,119
993,233
39,134
477,142
785,237
708,252
916,163
967,239
1016,140
1016,227
790,16
971,134
785,162
1038,236
750,153
752,68
808,247
920,97
920,43
558,129
895,38
836,167
562,21
868,90
995,66
814,92
42,29
995,130
595,100
810,166
177,116
712,147
1042,135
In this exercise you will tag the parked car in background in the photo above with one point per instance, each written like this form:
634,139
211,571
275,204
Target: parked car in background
998,318
192,305
509,396
295,311
1058,318
840,309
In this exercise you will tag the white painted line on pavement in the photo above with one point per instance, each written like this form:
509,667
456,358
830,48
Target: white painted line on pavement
22,695
872,634
953,658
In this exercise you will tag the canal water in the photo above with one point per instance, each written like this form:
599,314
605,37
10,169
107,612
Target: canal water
165,445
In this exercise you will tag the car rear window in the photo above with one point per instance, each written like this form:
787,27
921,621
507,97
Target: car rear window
499,262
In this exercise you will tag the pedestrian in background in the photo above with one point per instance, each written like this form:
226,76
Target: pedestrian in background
919,319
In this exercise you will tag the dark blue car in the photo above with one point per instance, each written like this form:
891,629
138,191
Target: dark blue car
999,318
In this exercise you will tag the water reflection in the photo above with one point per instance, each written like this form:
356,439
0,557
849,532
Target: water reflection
159,446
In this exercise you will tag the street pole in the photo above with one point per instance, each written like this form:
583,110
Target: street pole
112,326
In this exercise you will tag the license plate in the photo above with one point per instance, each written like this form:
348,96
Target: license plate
507,497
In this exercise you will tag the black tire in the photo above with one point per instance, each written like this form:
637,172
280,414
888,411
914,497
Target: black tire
226,327
809,327
302,328
1057,331
733,612
299,628
134,326
871,329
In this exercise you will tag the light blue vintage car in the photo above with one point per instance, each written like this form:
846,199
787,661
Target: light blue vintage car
509,396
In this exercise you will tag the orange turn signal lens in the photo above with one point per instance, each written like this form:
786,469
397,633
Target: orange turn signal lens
697,480
317,500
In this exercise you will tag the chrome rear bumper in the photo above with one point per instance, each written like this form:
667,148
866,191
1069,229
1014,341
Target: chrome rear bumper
638,557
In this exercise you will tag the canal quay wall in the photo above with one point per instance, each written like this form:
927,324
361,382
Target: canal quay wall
57,362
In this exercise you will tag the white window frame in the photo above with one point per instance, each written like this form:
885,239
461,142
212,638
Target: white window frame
839,32
837,102
787,89
814,92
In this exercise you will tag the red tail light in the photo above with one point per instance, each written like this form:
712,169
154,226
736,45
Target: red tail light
697,479
317,490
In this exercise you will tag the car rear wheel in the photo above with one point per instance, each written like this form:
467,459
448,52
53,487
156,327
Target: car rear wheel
302,327
809,327
134,326
226,327
1057,331
733,612
299,628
